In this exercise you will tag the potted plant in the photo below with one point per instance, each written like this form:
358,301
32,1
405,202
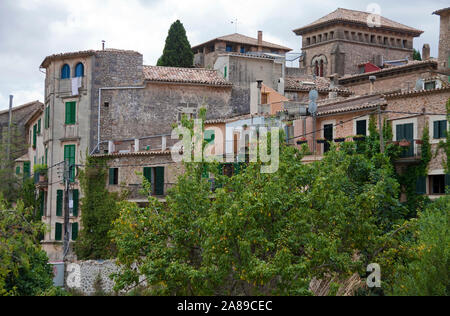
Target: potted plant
289,123
321,140
302,141
419,142
339,140
40,172
405,143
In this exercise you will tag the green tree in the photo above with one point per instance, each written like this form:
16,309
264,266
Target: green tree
417,55
426,274
262,234
99,210
177,51
24,268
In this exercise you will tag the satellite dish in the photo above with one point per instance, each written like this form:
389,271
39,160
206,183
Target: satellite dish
313,95
419,85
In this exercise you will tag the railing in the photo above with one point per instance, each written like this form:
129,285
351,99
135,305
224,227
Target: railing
65,86
71,131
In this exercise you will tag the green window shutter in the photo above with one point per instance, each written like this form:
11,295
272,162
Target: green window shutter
47,117
75,231
159,181
46,156
112,176
71,113
225,72
69,155
76,202
436,130
443,129
41,205
421,186
59,203
58,231
148,174
26,170
34,135
205,173
17,170
447,180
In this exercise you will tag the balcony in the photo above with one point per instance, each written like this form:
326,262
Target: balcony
411,154
65,87
71,132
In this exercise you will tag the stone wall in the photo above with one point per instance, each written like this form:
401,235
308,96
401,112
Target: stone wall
444,41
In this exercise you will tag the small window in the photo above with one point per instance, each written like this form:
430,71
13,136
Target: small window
361,128
264,98
58,231
242,50
114,176
65,72
308,41
437,184
210,137
79,70
431,85
75,231
440,129
106,104
229,48
71,113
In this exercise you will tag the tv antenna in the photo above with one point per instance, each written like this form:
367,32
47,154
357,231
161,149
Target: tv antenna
235,22
312,109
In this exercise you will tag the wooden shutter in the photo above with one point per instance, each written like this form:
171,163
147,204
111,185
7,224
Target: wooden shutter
421,186
59,203
69,155
39,126
41,204
75,231
76,199
361,128
447,180
436,130
34,135
113,174
148,174
70,113
26,169
443,129
58,231
159,181
17,170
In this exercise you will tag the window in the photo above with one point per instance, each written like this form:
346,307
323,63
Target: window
74,196
155,175
316,68
75,231
421,186
71,113
47,117
440,129
361,127
210,137
225,72
34,135
321,69
328,135
308,41
79,70
242,50
59,203
406,132
431,85
264,98
18,170
114,176
26,170
39,126
229,48
437,184
42,204
58,231
65,72
69,155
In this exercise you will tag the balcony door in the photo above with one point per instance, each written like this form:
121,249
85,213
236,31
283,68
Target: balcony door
406,132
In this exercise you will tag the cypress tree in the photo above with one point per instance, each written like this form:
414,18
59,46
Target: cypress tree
177,52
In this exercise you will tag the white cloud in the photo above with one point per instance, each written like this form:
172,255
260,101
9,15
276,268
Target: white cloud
33,29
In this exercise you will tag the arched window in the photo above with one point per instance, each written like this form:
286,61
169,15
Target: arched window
316,68
321,69
79,70
65,72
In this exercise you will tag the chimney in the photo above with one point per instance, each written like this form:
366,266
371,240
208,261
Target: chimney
260,40
103,45
426,52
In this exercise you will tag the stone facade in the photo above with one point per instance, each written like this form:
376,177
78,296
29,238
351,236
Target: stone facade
444,39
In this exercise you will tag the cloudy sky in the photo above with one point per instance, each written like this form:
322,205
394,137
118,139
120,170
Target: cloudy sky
33,29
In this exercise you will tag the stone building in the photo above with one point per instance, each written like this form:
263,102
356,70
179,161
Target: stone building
205,55
444,40
341,41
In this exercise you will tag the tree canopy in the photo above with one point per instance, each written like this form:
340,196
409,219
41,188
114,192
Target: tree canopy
177,51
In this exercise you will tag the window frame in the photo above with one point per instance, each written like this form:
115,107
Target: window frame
65,72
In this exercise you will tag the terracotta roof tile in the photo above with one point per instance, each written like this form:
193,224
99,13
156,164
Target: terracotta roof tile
360,17
439,12
242,39
307,83
184,75
350,104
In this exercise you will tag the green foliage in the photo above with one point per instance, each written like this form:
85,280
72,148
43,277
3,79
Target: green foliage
426,274
261,234
24,268
417,55
177,51
99,210
447,144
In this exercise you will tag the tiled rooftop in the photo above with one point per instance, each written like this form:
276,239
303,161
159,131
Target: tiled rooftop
246,40
307,83
184,75
351,104
360,17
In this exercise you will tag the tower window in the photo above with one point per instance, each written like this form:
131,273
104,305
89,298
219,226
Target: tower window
79,70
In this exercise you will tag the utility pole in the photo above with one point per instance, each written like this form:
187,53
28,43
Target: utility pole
380,123
67,178
8,148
